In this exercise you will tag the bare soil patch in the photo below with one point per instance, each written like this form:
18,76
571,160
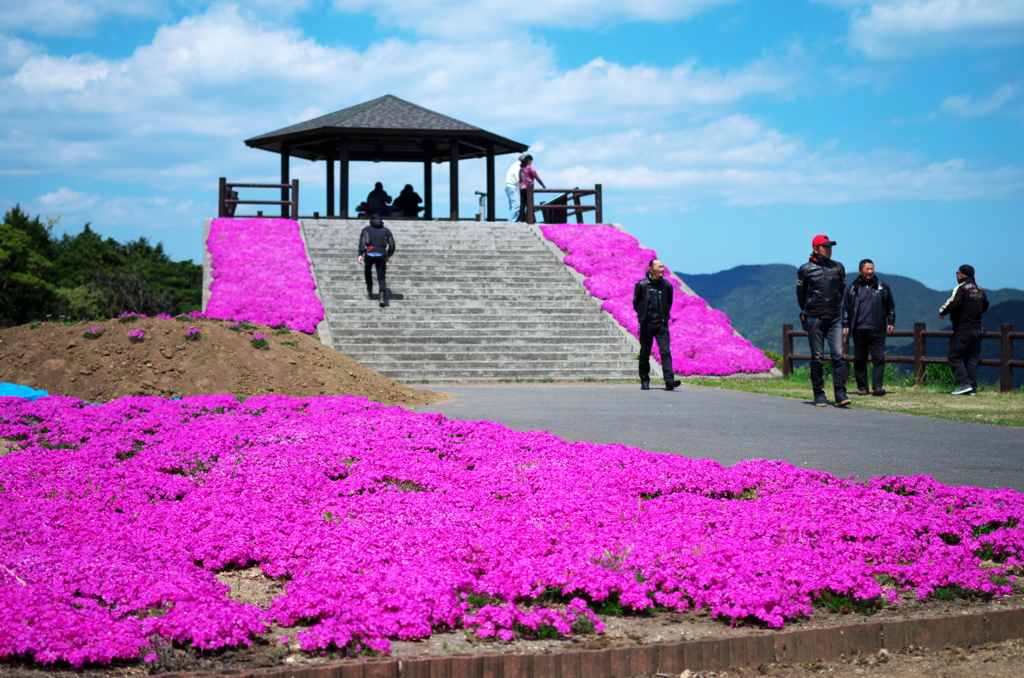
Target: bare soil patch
59,359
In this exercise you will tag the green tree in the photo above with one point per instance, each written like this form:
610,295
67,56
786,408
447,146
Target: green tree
25,291
88,276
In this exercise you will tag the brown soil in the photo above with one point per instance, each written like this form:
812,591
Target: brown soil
250,585
58,359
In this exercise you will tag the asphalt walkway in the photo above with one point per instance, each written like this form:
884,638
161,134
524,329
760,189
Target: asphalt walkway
732,425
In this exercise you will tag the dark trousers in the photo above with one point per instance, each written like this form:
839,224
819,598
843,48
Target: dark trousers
864,342
648,333
382,270
964,356
820,330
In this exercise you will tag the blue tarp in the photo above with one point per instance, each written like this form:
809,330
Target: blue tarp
7,389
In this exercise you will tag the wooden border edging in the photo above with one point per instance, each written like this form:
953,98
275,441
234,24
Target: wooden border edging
807,645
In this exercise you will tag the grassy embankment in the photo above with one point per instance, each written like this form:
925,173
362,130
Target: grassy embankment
902,396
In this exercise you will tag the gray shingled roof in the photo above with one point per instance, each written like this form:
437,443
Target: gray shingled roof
386,112
385,129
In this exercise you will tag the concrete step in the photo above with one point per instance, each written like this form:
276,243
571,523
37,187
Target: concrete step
509,310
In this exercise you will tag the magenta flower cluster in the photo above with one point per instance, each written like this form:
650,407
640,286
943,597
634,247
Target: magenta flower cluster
93,333
137,335
386,524
702,340
194,333
261,274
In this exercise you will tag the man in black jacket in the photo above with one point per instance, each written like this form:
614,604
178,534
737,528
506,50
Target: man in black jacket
652,301
964,307
869,313
376,245
820,285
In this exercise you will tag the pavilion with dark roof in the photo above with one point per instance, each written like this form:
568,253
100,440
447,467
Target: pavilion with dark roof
388,129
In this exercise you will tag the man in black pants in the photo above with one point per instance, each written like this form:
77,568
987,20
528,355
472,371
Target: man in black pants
869,313
376,245
652,301
964,307
820,286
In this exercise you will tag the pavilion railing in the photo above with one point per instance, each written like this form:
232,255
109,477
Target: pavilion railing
558,209
1005,335
228,199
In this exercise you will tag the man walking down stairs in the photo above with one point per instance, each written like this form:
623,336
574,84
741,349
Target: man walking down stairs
470,301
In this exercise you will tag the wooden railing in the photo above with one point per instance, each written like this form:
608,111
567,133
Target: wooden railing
228,199
558,209
1005,335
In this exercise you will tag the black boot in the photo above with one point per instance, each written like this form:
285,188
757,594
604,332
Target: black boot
645,384
383,298
671,383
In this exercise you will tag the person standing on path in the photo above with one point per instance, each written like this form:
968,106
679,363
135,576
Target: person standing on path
964,307
869,313
527,175
652,301
376,245
512,188
820,286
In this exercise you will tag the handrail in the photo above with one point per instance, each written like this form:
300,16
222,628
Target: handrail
570,193
920,333
228,199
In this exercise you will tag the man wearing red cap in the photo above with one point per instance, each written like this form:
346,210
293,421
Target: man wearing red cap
820,285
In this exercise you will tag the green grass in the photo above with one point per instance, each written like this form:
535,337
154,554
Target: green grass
902,396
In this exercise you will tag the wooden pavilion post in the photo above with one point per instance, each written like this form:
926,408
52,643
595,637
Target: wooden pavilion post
343,177
428,189
285,178
490,183
330,183
453,174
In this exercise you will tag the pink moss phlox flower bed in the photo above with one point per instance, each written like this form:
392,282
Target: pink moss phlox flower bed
702,340
261,274
387,524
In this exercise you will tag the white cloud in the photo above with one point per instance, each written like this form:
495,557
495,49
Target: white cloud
158,211
965,106
471,19
738,161
76,18
888,29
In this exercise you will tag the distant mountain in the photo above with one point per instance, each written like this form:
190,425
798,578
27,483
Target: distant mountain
759,299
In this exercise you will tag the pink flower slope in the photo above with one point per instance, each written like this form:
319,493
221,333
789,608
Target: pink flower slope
261,274
703,341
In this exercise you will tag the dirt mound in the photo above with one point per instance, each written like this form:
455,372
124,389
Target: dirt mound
59,359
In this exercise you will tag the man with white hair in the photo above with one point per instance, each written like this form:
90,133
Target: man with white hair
512,188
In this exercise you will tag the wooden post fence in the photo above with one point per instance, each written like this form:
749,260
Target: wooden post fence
921,359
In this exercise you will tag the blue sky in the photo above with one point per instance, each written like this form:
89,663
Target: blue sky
724,132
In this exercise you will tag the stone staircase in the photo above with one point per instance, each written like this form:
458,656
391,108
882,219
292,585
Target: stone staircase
470,301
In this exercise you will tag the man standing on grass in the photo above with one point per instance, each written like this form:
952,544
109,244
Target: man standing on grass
652,301
869,313
820,285
964,307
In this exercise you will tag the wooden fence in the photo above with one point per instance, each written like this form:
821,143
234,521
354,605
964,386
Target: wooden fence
228,199
1005,335
558,209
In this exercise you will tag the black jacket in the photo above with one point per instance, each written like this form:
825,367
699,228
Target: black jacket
820,285
374,237
647,293
883,308
965,306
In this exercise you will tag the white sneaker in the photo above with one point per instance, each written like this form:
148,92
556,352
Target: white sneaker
962,390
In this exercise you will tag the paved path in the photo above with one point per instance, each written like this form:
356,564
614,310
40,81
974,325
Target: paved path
731,425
